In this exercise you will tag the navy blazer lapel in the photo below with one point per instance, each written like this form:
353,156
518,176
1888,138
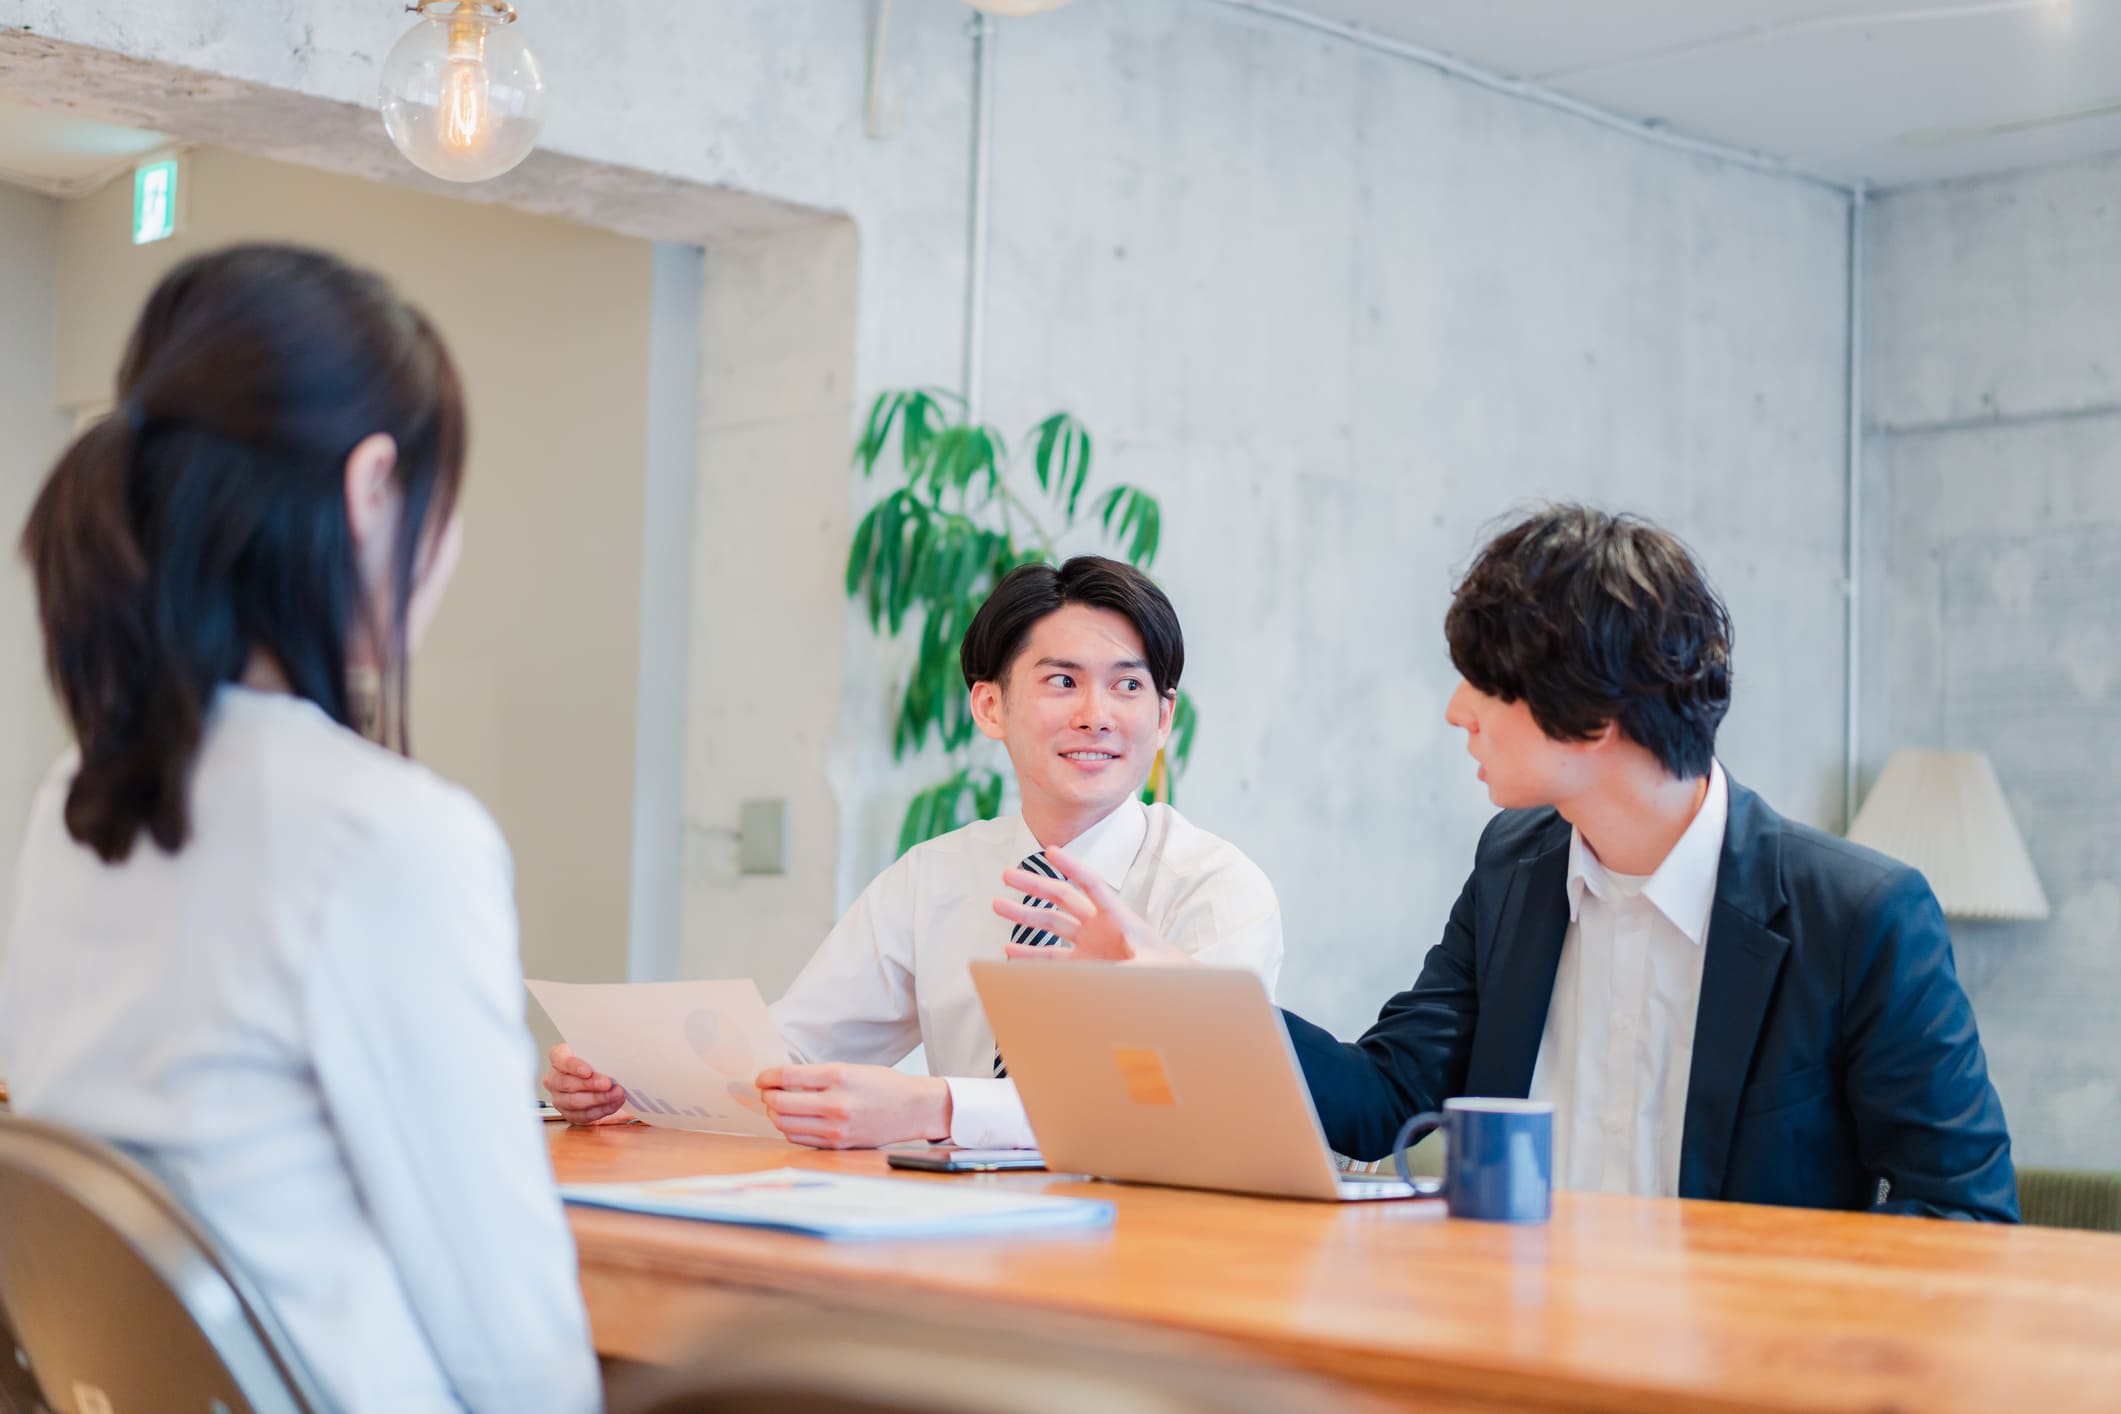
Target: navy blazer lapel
1518,974
1744,958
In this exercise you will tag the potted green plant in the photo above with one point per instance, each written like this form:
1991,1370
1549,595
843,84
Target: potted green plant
964,513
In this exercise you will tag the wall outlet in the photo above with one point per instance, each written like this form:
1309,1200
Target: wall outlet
762,837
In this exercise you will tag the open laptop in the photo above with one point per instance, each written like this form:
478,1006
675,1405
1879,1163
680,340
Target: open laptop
1178,1075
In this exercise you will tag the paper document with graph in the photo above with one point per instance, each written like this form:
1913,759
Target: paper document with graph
846,1205
687,1052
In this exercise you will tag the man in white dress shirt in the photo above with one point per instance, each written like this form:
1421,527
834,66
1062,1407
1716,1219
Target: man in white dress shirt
1075,670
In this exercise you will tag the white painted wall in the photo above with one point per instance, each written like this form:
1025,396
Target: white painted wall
525,689
1338,311
33,431
1994,498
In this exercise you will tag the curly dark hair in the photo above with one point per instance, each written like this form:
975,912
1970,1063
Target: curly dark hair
1590,618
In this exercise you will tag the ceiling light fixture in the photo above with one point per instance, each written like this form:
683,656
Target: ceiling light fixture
462,97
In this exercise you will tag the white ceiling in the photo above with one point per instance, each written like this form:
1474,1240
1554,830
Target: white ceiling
1891,91
62,155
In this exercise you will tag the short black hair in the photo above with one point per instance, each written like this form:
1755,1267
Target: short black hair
1591,617
1029,593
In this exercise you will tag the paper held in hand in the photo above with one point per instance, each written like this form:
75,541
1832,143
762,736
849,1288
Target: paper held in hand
687,1052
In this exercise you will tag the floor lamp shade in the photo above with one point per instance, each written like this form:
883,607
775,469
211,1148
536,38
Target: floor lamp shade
1944,813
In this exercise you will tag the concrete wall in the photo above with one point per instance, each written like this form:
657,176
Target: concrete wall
1341,313
1993,576
767,661
666,613
1338,311
35,431
525,691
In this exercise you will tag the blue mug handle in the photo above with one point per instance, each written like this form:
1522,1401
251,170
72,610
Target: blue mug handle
1413,1130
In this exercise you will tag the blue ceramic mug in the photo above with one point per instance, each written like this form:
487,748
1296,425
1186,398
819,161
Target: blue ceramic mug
1498,1157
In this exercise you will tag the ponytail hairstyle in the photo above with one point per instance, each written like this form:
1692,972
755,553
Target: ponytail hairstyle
205,519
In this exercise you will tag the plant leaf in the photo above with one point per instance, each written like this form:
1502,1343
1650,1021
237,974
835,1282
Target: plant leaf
943,462
987,794
887,517
941,808
1141,519
877,431
994,452
1082,468
1107,504
920,537
926,807
1148,530
1184,723
859,555
918,429
1051,433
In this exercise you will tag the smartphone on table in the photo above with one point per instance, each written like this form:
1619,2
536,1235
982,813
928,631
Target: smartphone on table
945,1158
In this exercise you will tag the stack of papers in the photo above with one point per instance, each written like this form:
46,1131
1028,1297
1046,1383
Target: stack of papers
834,1205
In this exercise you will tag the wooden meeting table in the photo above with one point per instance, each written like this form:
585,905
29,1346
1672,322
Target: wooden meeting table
1618,1303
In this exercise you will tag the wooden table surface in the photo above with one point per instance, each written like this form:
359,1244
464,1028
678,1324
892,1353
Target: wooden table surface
1618,1303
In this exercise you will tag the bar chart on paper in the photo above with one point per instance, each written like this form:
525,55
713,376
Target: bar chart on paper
687,1052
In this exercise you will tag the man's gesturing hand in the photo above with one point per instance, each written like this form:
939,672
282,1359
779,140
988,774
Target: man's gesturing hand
1086,914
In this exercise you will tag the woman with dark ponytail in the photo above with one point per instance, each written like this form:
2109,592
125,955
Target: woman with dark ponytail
246,924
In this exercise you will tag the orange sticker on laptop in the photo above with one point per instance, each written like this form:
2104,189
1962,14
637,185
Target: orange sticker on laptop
1141,1070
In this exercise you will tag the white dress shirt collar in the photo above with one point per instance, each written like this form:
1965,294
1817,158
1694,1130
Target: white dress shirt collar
1683,888
1109,846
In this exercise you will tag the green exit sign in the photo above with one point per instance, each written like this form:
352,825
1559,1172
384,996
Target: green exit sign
155,201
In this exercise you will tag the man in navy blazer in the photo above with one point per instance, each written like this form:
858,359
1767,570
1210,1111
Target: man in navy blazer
1719,1002
1835,1062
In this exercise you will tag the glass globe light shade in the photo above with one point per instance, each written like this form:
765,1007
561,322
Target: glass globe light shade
462,96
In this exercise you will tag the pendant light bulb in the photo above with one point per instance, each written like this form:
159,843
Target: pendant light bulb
462,97
467,94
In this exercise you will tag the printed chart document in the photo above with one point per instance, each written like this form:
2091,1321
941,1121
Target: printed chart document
835,1205
687,1052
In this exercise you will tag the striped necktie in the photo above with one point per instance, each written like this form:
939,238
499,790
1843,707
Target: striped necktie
1026,934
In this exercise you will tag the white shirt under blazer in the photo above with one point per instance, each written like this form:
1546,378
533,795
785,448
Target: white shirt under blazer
1618,1048
895,972
309,1022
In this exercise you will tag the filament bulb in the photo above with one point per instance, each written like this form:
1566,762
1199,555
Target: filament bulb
462,96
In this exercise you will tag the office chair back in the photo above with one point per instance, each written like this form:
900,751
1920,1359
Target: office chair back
117,1299
2070,1198
18,1392
830,1363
